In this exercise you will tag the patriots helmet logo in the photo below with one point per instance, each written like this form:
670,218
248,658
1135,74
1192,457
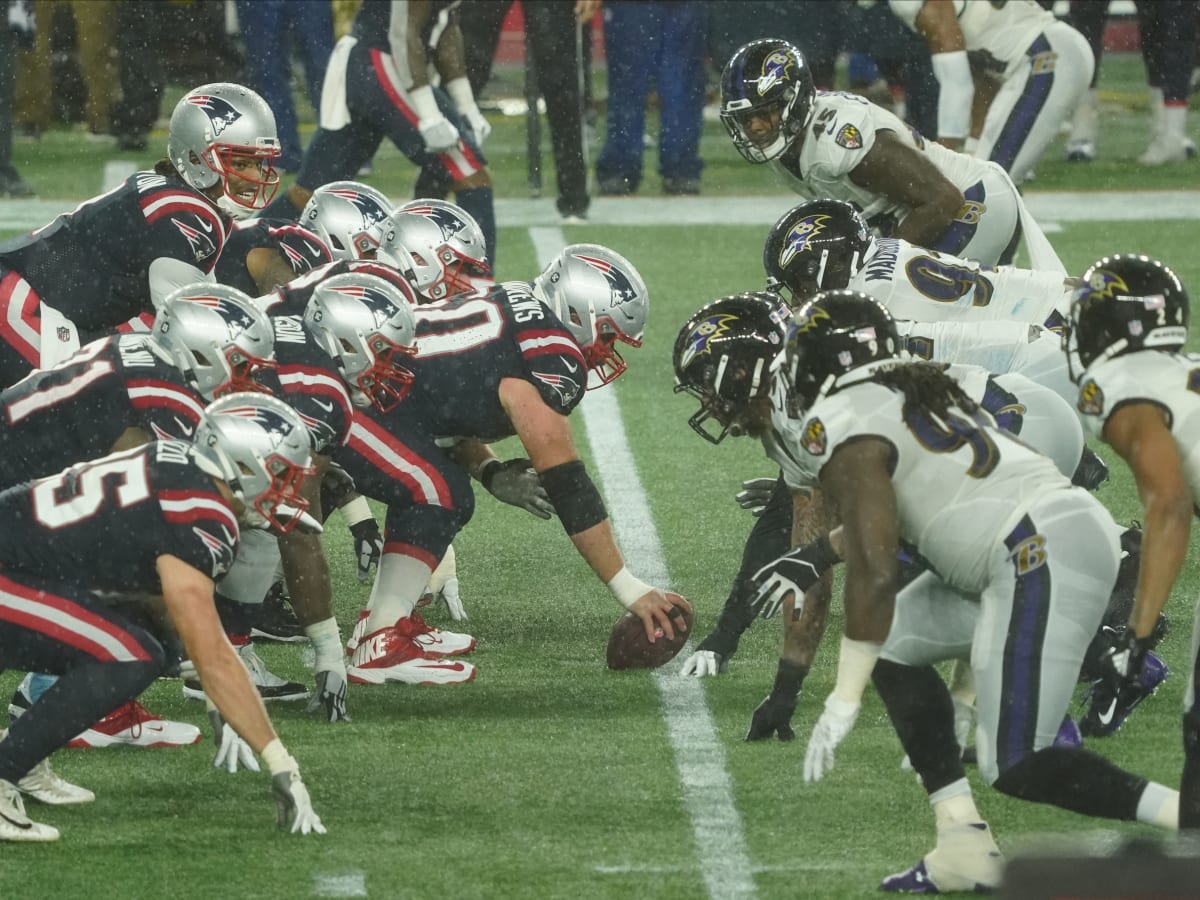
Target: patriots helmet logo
367,206
221,113
270,421
448,223
380,305
699,341
233,315
201,244
622,289
800,236
774,70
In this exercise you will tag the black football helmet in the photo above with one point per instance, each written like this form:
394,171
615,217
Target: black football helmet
816,246
833,334
766,78
723,357
1124,303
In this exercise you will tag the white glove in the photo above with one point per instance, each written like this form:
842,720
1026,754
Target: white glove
436,131
232,751
454,603
702,663
460,92
755,494
293,807
444,583
831,729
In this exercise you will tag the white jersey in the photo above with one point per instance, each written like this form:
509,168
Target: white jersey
1167,380
961,486
926,286
843,132
1002,31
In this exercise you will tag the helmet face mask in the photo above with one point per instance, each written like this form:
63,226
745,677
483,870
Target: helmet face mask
366,325
224,134
1123,304
836,339
816,246
349,217
723,357
767,95
602,301
260,447
216,336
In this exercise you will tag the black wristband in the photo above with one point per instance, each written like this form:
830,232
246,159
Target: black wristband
364,529
789,678
822,555
575,498
487,472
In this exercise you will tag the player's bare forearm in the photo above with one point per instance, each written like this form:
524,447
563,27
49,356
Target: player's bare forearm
599,550
802,634
450,58
419,12
305,567
907,177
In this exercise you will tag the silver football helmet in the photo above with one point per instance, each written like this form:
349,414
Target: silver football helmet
349,217
367,326
214,129
601,299
444,244
258,445
216,336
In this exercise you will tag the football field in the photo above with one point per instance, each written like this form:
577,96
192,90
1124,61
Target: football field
550,776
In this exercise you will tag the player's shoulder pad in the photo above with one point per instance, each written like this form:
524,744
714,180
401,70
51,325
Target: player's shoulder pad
841,133
183,214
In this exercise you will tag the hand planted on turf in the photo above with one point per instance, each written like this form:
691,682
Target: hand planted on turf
330,696
232,751
773,717
831,729
754,494
703,663
515,482
454,604
438,134
293,808
1120,662
368,546
654,609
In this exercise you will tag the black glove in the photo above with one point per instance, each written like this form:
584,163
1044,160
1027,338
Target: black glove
1121,658
368,546
515,482
773,717
330,695
796,571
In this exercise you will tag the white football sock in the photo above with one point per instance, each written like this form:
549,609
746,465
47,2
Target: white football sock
1159,805
398,586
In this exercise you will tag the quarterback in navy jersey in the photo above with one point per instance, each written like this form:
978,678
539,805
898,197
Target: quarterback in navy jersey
514,361
118,255
263,253
125,390
162,519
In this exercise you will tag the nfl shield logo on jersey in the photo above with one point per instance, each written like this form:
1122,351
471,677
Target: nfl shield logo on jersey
64,334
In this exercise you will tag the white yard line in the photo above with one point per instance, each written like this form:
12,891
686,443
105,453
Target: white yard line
1048,207
352,883
699,756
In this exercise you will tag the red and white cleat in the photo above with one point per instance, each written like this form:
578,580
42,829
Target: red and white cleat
358,632
132,725
387,655
434,641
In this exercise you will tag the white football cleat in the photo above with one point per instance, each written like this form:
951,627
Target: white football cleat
387,655
47,786
434,641
1164,148
966,858
132,725
14,824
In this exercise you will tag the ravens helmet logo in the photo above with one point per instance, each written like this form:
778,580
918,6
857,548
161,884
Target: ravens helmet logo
774,70
1103,283
1091,399
698,341
800,236
810,316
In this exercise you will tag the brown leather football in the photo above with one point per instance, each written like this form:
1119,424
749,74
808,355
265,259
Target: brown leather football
629,649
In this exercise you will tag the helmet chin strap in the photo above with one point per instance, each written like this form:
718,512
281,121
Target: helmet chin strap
233,209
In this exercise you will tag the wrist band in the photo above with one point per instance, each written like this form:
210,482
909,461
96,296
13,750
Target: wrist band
277,758
357,510
487,472
423,102
856,662
460,92
627,587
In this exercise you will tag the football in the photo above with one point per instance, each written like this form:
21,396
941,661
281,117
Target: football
629,649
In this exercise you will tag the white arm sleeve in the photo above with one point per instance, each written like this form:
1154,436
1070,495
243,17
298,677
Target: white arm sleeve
167,274
955,94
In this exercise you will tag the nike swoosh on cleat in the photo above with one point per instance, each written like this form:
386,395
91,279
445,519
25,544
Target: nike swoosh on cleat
24,826
449,667
1107,717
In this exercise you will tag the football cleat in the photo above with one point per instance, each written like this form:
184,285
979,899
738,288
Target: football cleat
1081,150
45,785
1107,712
966,859
14,824
434,641
274,619
132,725
389,655
359,631
270,686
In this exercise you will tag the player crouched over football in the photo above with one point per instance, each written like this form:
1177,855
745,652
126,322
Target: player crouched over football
159,520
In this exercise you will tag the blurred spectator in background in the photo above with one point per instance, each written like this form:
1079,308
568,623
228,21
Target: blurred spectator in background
555,34
1008,75
661,40
270,28
143,76
16,30
817,27
1167,30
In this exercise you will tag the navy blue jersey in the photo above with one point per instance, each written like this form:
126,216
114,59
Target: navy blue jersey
93,264
78,409
310,383
102,525
292,298
373,20
303,250
467,344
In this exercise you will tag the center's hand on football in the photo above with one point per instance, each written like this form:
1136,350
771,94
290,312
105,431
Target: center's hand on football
831,729
654,609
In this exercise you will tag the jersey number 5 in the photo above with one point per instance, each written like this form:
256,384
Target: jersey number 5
78,493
